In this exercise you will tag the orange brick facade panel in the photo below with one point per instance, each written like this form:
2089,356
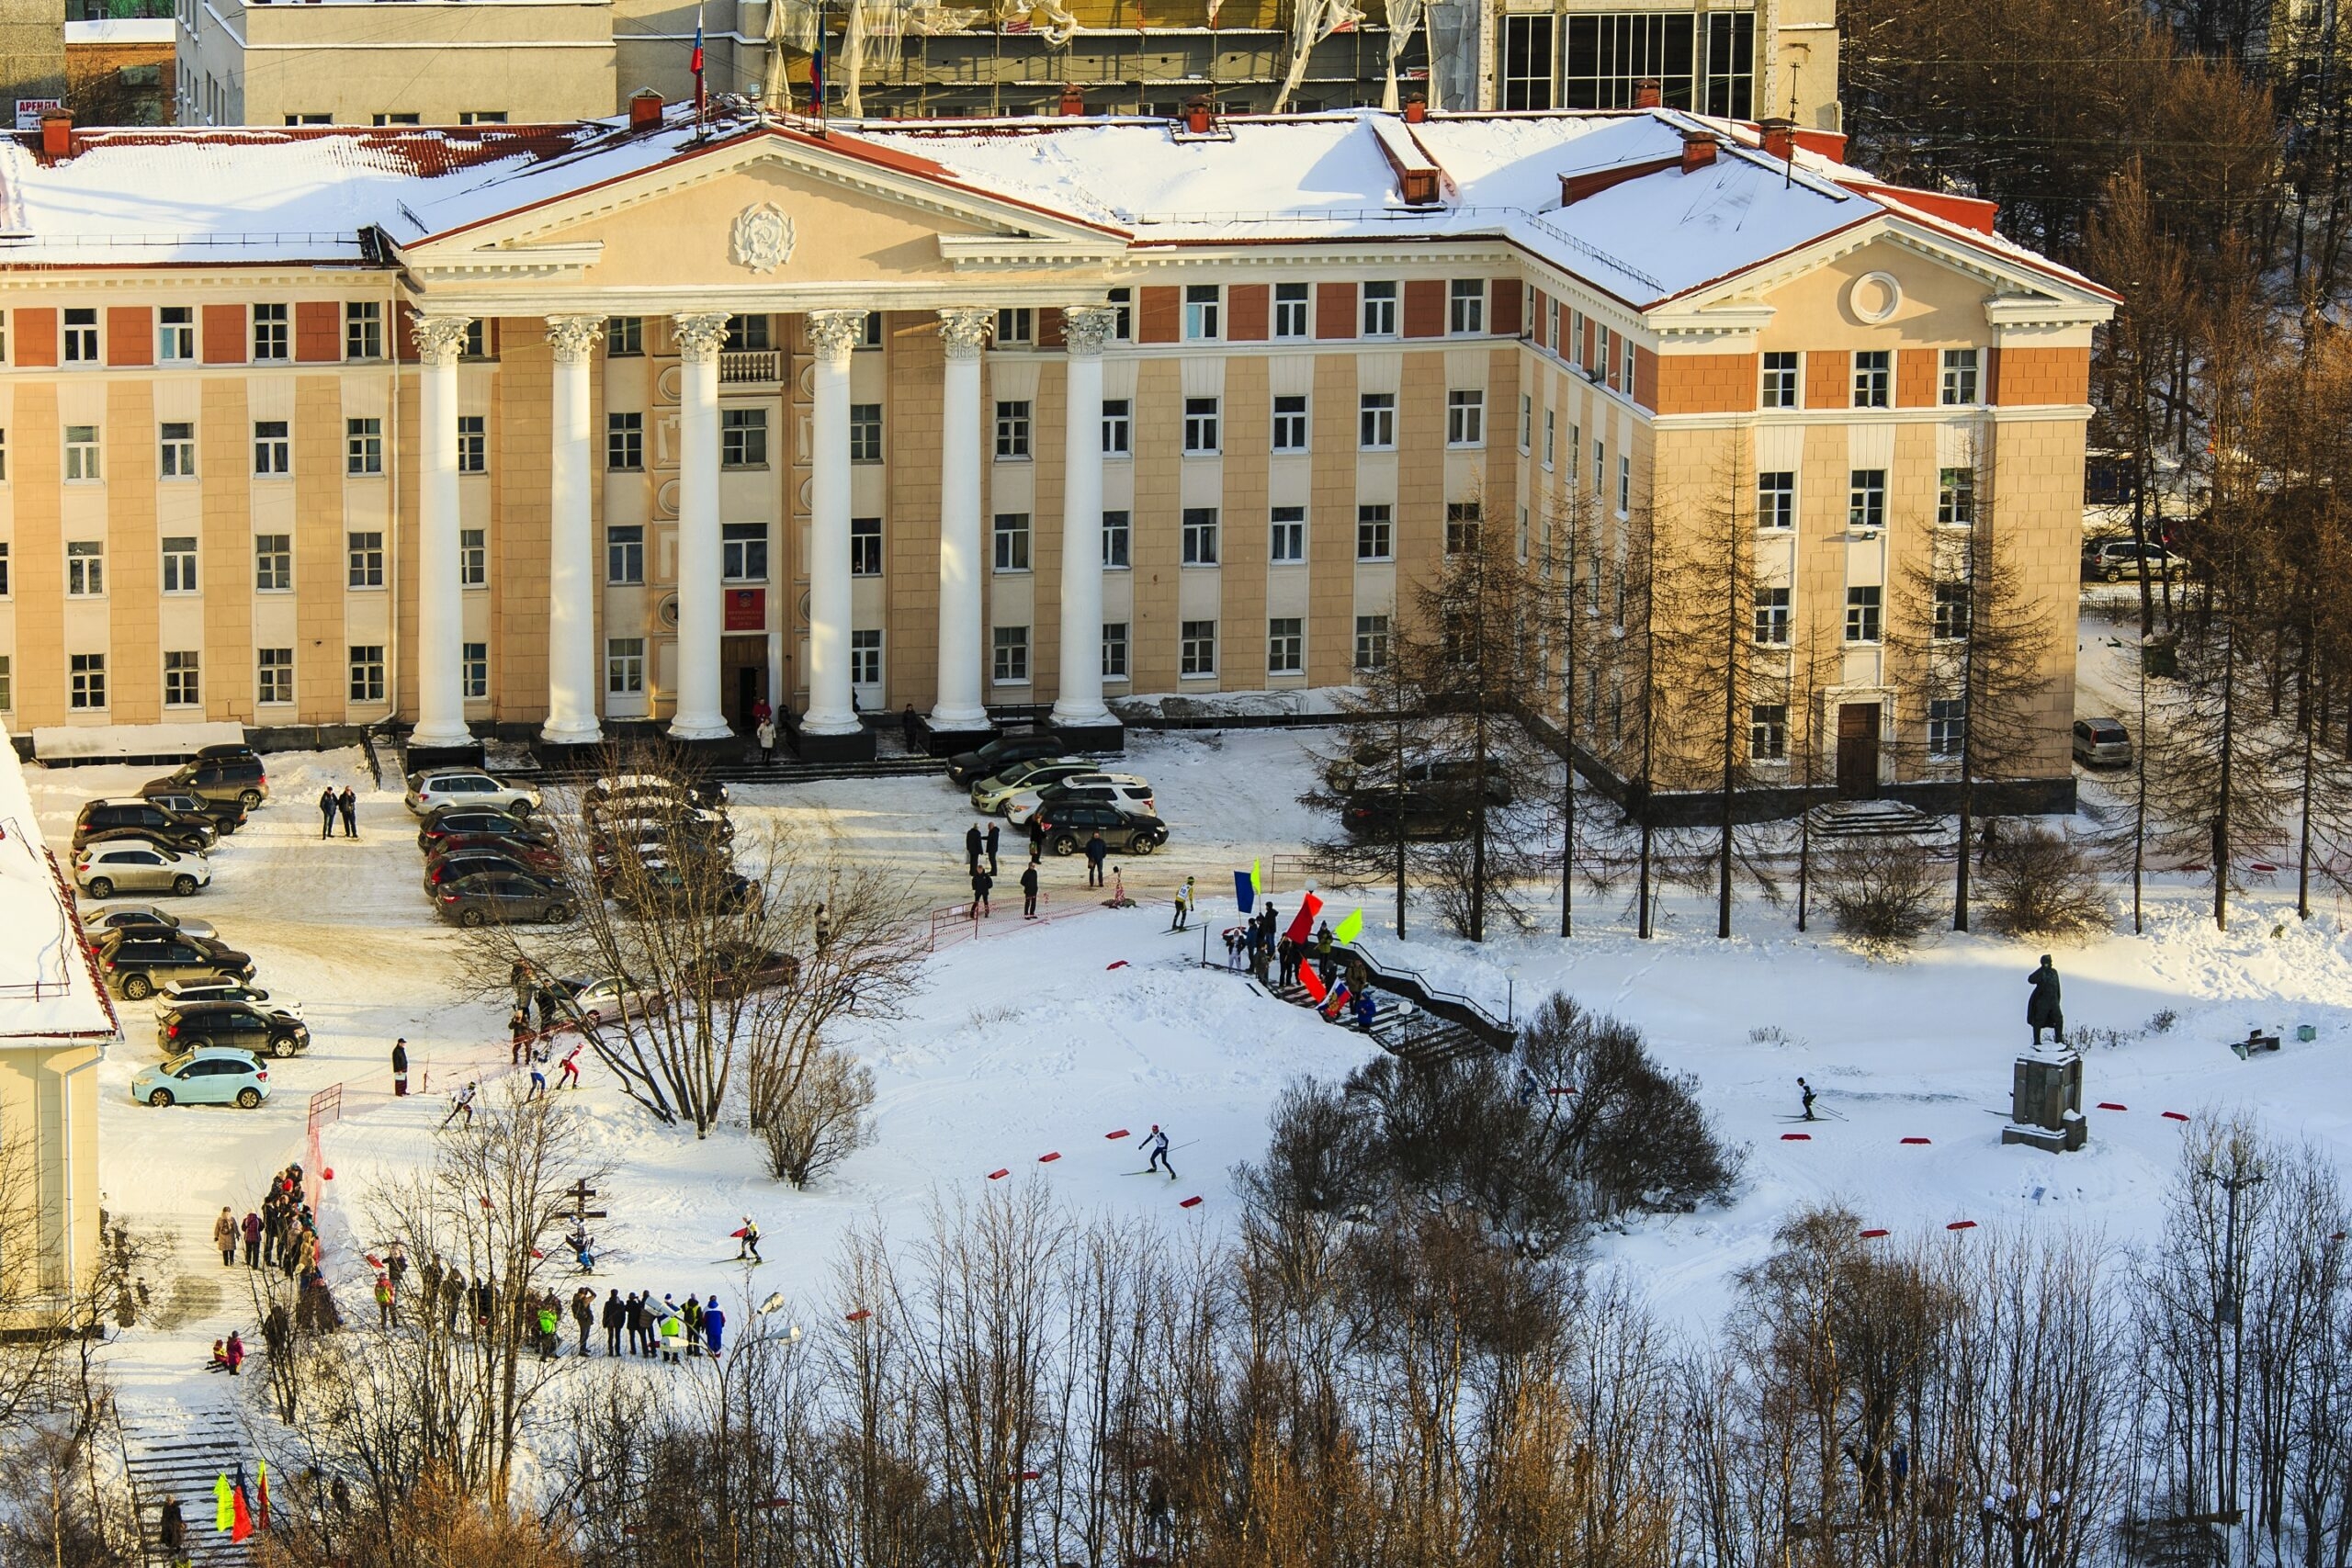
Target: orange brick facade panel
1335,309
1157,315
1541,326
1246,309
1697,383
224,334
1425,308
1828,380
317,332
130,335
1917,372
1502,307
2045,377
36,346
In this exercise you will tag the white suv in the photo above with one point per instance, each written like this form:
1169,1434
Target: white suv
429,793
1125,791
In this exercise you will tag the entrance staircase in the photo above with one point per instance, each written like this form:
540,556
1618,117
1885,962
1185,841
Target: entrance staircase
1411,1033
1849,820
179,1457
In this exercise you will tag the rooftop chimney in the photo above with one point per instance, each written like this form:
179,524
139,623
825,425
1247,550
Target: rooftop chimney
1073,102
57,133
1417,109
1196,116
1647,95
1698,151
644,109
1779,137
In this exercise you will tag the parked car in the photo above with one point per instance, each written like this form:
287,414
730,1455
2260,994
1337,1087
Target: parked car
256,1028
1124,790
239,777
2102,743
1428,809
690,828
2116,560
439,873
431,790
501,898
179,993
110,916
609,997
708,792
1370,766
478,822
135,964
738,968
215,1077
1067,826
669,889
539,859
1001,753
122,815
136,865
991,794
226,815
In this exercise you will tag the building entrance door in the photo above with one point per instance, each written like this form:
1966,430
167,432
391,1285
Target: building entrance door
745,680
1858,750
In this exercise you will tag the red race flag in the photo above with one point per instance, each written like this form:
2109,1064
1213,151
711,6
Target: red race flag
1302,925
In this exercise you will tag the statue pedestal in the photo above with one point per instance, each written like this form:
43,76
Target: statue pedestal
2046,1103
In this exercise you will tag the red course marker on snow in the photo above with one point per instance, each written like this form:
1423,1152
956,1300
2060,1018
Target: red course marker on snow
2260,865
2110,1105
1029,1476
1117,963
860,1315
1048,1160
1919,1140
327,1174
1191,1203
1796,1137
1120,1133
1873,1234
1962,1226
1000,1173
1561,1091
2174,1116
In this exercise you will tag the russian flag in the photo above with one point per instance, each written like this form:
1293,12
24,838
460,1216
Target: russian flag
696,65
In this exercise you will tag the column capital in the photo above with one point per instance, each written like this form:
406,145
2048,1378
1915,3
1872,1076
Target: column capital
440,339
1086,328
833,334
965,329
701,335
574,337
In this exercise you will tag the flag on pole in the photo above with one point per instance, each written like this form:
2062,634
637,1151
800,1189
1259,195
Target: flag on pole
1312,982
1338,1005
1350,929
696,65
1244,894
1258,875
1302,925
816,67
261,1498
241,1518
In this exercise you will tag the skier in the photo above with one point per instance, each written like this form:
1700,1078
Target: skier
1805,1090
568,1073
824,929
2042,1008
465,1102
539,1073
399,1068
1157,1144
1529,1090
750,1235
1183,905
584,1249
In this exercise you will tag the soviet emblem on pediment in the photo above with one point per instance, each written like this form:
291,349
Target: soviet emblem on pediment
763,239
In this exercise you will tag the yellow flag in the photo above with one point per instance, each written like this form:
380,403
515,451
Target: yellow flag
1350,929
1257,877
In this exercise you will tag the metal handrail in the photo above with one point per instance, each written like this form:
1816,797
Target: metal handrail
1452,1006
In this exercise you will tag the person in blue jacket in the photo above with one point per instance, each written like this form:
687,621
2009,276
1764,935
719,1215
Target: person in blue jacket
714,1324
1364,1010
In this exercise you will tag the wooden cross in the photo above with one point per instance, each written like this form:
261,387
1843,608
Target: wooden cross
581,1192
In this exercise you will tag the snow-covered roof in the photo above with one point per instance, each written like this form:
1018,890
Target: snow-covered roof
310,195
48,989
121,29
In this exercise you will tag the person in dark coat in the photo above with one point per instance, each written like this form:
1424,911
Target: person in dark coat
1037,845
250,1230
972,846
328,805
1029,893
910,731
992,842
981,883
583,1313
349,804
400,1068
2042,1008
616,1319
1097,851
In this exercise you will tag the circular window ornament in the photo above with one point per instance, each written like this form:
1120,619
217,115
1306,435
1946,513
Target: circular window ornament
1874,297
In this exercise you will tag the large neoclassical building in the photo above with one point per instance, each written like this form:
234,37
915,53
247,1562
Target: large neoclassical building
551,428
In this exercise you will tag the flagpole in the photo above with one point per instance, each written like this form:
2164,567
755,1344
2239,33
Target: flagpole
697,66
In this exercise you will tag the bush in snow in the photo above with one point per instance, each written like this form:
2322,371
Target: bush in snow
2039,884
822,1121
1880,893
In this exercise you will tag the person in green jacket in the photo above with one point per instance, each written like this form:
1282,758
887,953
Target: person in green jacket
547,1331
673,1336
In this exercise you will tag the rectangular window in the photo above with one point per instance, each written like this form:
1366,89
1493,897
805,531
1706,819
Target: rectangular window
1771,617
1289,422
1956,497
1010,649
473,558
1600,464
1114,541
364,552
1380,309
85,568
1114,651
1954,607
747,335
1776,499
1526,423
1118,435
1781,380
1625,485
624,552
1866,499
1466,419
1768,731
82,336
475,344
273,449
271,340
1527,59
743,438
1286,541
176,450
88,674
274,563
179,563
865,547
473,444
1201,433
273,676
363,329
1461,528
8,685
1947,725
1704,63
473,671
363,446
743,552
625,442
1011,535
1122,320
4,450
864,658
1551,433
1376,421
1290,309
1013,429
625,666
1372,642
1201,310
1196,648
1015,327
1285,645
1862,614
482,117
1466,306
175,334
366,663
1871,378
4,569
1200,536
1960,377
81,453
865,432
1372,526
623,337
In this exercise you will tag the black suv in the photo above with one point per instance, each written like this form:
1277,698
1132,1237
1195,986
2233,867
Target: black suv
238,777
1068,827
1001,753
481,822
240,1025
135,964
225,816
135,817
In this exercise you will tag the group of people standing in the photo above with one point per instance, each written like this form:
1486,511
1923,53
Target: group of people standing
346,805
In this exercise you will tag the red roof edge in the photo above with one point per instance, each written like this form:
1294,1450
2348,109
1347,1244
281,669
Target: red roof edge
1830,145
1968,211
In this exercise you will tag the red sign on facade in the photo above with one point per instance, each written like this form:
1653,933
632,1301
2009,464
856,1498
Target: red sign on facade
747,609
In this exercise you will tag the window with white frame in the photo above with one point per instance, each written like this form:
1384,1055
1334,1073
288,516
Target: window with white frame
1776,499
625,666
865,430
1116,525
1291,305
1866,499
1551,431
86,681
1862,609
273,676
1960,377
81,454
624,552
1630,366
1466,306
623,337
81,336
1466,418
1956,498
1118,434
271,332
273,563
1768,731
864,658
1286,535
1200,536
1625,485
1011,533
1114,651
1372,642
3,449
1461,524
1285,645
8,685
1196,648
473,671
1526,423
1375,526
1780,380
1015,327
363,329
1379,310
473,444
1009,648
1122,320
1954,609
1201,427
364,558
742,438
473,558
1376,421
273,449
363,446
176,334
624,442
1771,617
85,568
1013,429
175,449
1600,464
1947,725
179,563
744,551
748,333
1290,422
865,547
364,662
1202,308
1874,378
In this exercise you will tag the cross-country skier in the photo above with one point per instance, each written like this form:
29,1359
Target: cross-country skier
1805,1090
1157,1144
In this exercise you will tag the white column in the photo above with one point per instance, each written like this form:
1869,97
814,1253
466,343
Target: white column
1078,700
963,333
571,593
440,618
833,335
698,715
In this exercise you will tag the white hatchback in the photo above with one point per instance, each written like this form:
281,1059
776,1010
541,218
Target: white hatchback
1125,791
135,865
429,793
